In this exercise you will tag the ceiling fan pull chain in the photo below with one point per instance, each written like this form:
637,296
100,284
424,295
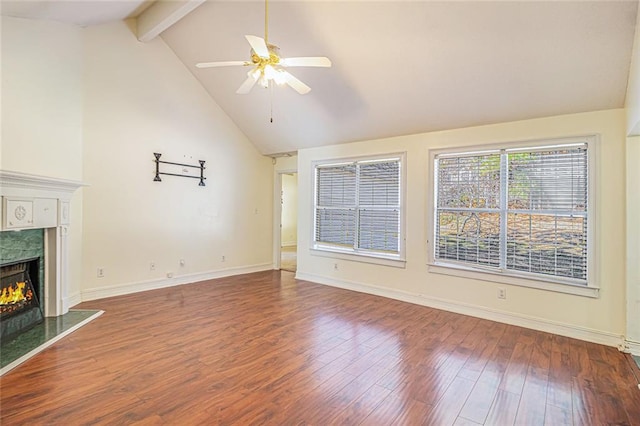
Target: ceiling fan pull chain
271,101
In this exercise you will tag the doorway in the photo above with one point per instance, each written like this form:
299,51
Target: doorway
289,221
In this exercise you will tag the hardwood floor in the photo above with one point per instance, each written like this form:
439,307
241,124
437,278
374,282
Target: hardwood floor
289,258
267,349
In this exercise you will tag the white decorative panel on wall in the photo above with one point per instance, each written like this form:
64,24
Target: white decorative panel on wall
45,212
64,213
18,213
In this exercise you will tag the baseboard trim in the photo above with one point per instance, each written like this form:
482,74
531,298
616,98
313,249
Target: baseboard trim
540,324
129,288
71,301
632,347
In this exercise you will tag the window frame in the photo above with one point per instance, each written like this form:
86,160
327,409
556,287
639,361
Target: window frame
357,254
519,278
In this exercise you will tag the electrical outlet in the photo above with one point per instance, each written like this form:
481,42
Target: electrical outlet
152,266
181,262
335,266
100,273
502,293
222,259
169,274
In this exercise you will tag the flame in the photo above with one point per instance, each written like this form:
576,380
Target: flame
11,295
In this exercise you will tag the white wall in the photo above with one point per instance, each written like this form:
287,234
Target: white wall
633,244
42,98
289,235
140,99
42,111
632,105
286,164
632,101
601,319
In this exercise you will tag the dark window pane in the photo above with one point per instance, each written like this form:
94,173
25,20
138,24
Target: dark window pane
380,184
379,230
547,244
336,186
470,182
469,237
335,226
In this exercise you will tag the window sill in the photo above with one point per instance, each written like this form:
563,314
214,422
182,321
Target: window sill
359,257
461,271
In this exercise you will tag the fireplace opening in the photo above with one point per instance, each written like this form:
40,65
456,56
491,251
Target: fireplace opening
19,306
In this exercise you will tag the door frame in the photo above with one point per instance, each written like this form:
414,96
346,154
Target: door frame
277,215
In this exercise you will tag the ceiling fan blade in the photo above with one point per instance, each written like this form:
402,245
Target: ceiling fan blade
247,85
296,84
220,64
311,61
258,45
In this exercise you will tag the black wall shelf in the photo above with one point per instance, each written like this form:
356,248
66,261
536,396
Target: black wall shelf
158,172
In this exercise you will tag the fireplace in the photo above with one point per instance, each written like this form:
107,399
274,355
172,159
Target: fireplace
35,221
19,306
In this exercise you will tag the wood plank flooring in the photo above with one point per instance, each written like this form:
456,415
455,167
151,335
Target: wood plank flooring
266,349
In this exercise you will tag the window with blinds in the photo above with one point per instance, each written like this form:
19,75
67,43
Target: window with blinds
358,206
520,211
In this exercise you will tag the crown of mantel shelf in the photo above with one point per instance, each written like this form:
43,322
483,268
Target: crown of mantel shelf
24,184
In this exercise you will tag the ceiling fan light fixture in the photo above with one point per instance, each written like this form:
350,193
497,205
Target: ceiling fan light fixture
270,72
268,65
254,73
280,78
267,74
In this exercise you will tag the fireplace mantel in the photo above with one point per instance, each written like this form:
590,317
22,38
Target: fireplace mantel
24,184
40,202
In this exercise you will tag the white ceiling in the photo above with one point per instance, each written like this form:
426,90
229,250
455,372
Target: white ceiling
401,67
78,12
409,67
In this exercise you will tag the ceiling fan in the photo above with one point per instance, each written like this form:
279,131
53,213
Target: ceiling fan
268,65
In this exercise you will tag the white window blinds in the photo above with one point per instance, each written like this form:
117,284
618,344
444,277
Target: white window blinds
358,206
336,205
522,210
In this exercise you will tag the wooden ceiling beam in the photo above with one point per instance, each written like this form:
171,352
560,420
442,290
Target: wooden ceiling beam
161,15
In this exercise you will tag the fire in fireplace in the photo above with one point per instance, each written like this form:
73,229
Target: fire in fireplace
19,307
15,297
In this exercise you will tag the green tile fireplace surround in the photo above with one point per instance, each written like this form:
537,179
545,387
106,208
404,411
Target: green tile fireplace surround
18,245
18,347
37,216
22,246
35,340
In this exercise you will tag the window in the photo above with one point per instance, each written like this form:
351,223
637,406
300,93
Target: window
516,211
358,207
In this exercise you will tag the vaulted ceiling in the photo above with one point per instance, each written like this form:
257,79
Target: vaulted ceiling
405,67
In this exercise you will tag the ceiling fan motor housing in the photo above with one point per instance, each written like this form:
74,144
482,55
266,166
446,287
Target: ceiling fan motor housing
274,56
